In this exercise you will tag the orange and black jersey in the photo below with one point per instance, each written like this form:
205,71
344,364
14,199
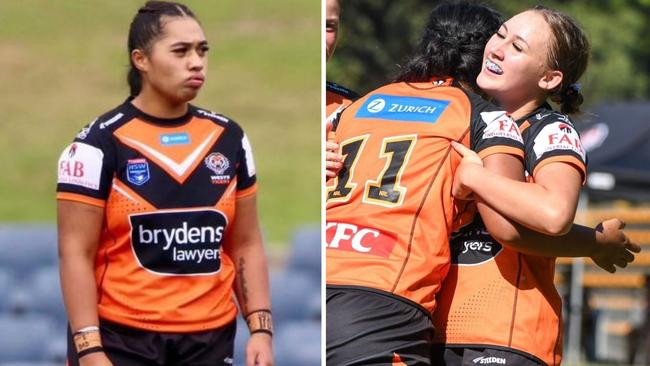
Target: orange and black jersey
168,188
337,98
390,211
494,296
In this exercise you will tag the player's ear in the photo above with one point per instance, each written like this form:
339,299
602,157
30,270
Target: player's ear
140,60
550,79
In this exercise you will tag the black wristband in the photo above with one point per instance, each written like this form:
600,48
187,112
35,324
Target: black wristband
90,350
262,331
257,311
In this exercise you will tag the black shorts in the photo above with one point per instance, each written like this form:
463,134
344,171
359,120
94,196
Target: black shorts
477,356
126,346
369,327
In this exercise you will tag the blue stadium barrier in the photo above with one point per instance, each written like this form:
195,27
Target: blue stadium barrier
298,344
241,339
45,287
26,247
25,338
305,252
314,308
6,283
291,292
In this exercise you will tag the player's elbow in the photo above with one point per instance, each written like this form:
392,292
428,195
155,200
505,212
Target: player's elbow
558,220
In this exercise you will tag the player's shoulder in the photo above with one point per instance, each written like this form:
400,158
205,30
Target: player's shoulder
551,132
545,118
341,90
216,118
102,126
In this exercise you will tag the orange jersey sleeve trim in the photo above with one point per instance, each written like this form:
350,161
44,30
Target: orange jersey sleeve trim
501,150
80,198
247,191
577,163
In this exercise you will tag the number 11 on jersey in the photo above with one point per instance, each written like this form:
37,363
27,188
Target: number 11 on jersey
386,189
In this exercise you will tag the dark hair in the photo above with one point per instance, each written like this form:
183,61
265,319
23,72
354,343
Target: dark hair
145,28
569,53
453,43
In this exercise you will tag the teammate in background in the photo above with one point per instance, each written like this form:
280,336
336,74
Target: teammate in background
157,216
336,96
390,211
498,305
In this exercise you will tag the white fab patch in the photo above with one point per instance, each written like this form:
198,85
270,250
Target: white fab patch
499,124
81,164
558,136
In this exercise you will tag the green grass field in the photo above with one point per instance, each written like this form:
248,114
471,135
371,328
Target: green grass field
64,62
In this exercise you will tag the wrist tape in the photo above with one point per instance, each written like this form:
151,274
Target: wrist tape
87,340
260,321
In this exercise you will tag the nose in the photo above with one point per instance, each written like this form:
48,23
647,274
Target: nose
497,49
196,62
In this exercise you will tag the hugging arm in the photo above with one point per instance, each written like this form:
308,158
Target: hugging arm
606,244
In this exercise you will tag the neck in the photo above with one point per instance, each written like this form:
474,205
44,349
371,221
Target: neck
154,104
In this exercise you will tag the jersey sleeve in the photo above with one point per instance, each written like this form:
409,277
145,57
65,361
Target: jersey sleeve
492,131
246,177
86,167
554,139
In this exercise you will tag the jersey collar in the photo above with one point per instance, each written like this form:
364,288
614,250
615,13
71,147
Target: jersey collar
157,120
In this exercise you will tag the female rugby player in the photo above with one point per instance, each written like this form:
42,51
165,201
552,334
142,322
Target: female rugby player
157,216
499,304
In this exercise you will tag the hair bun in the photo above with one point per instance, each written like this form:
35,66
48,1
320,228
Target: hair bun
570,99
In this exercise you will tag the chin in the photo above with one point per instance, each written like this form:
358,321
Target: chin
489,83
187,96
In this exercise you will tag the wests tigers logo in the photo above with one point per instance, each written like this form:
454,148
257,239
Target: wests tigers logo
218,163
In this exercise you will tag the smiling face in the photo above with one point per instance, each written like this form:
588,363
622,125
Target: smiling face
515,70
333,11
174,68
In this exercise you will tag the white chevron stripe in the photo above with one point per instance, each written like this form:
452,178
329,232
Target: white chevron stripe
181,168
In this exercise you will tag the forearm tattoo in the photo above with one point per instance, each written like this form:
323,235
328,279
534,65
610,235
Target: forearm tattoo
243,288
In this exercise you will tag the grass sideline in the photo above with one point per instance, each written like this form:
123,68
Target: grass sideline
64,62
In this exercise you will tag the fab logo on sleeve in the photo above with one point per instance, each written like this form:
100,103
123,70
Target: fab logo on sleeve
80,164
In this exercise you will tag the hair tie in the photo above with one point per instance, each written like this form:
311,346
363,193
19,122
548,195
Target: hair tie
574,88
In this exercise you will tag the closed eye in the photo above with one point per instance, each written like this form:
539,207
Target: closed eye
203,50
